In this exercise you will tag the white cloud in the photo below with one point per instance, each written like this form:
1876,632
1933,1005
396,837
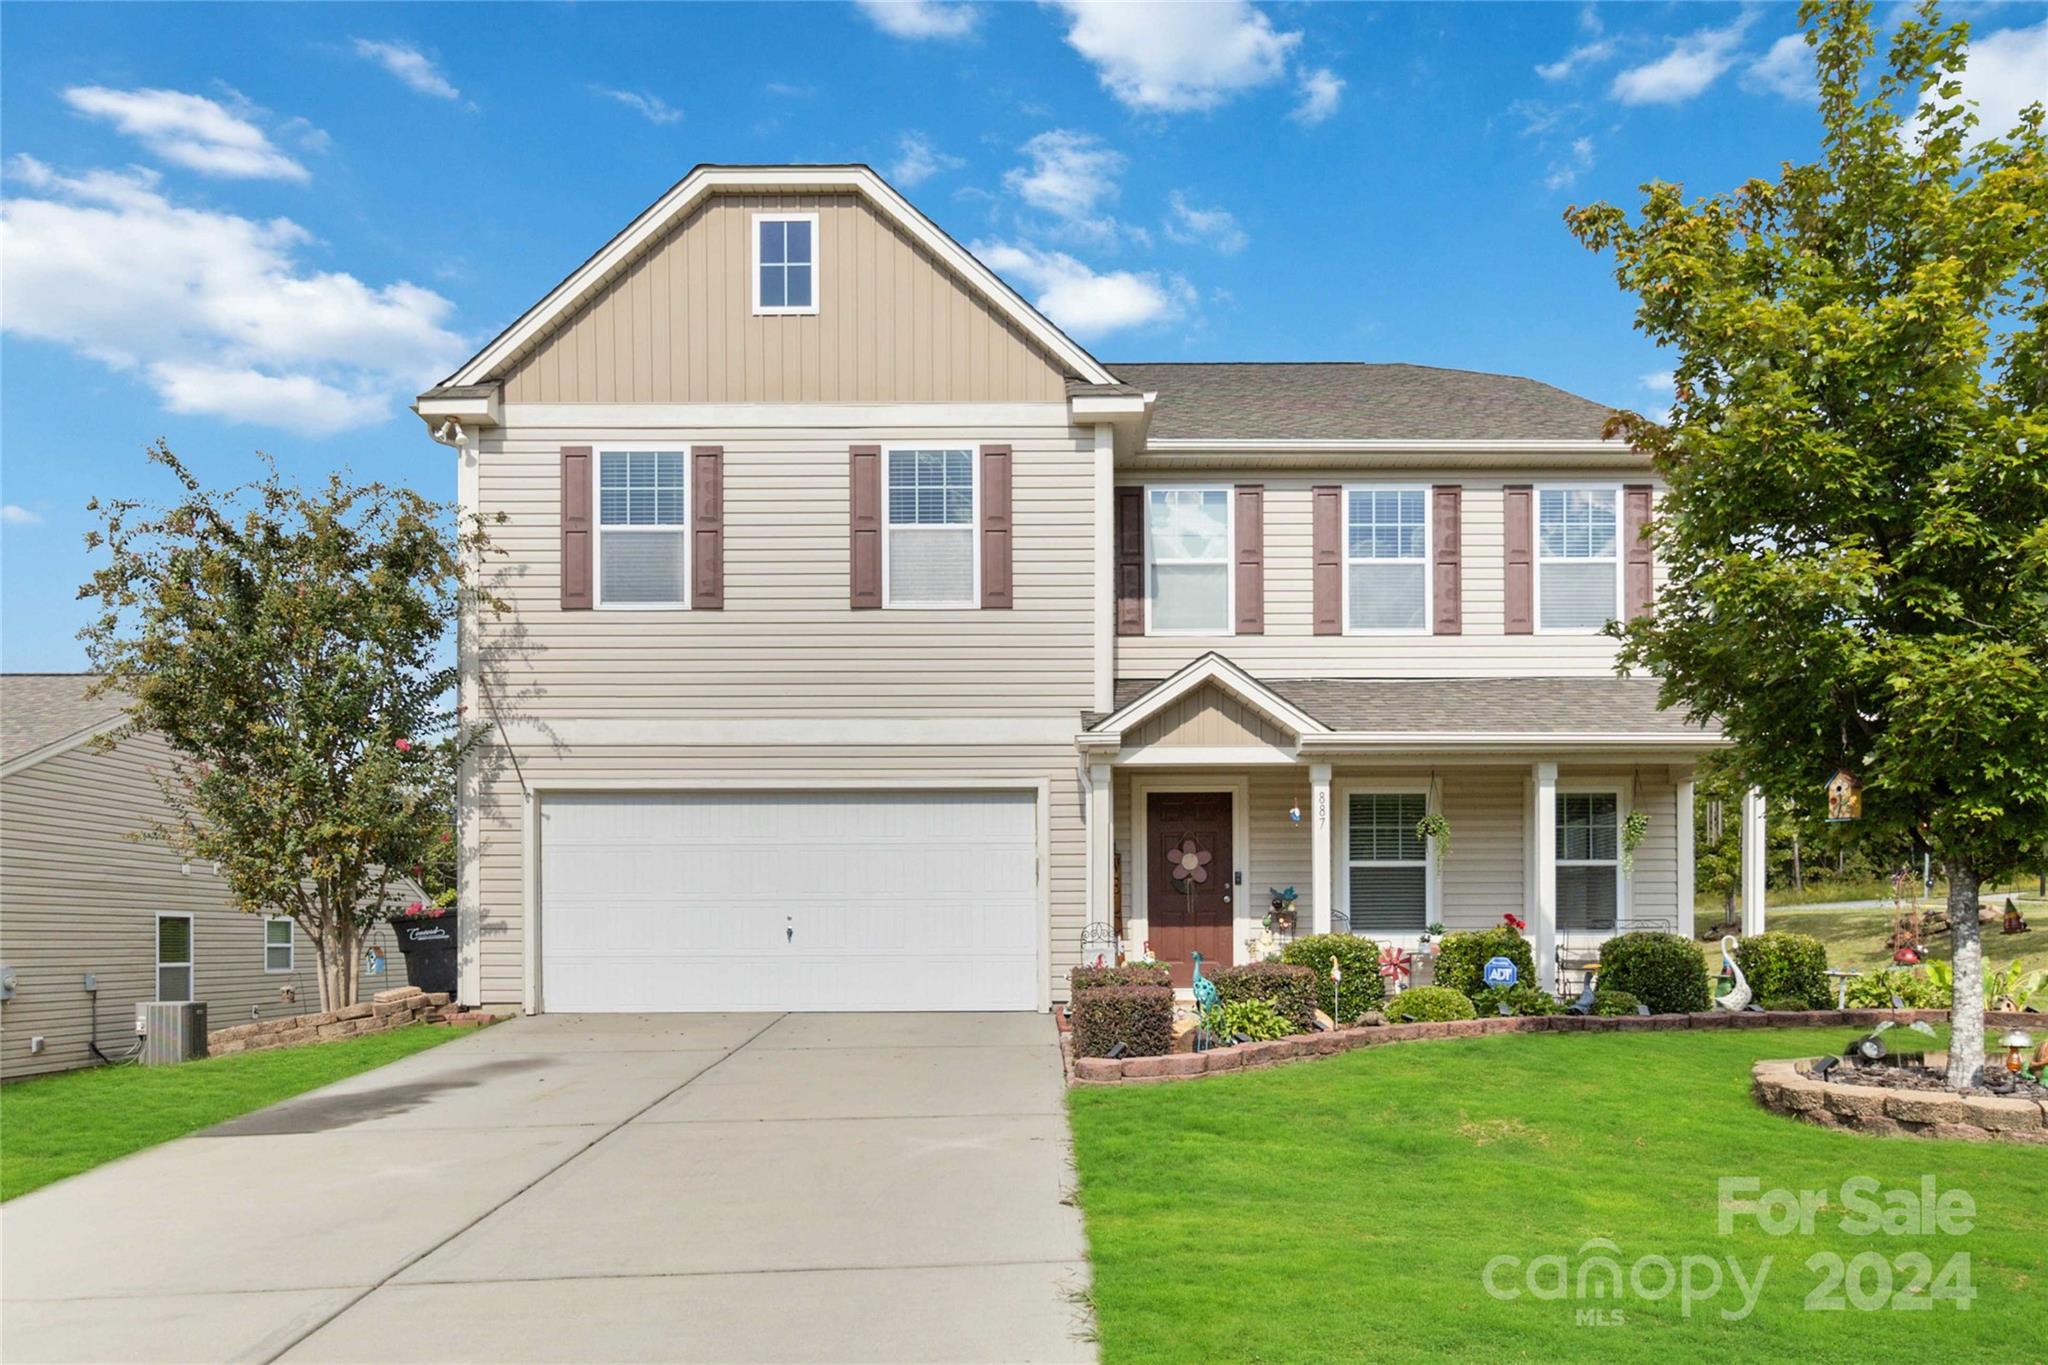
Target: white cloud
15,515
1215,228
214,311
1694,62
917,160
1082,301
1321,91
2005,72
410,65
1580,57
1786,70
190,131
653,108
1565,171
1658,381
921,18
1070,176
1176,57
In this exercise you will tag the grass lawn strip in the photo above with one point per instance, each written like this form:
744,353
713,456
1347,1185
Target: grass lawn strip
55,1126
1348,1208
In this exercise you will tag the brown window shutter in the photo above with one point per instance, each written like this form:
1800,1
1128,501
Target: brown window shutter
1328,522
707,527
1518,536
996,533
1130,560
1638,575
576,528
1251,559
1447,559
864,500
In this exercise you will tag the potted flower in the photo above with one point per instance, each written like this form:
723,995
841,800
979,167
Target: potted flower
426,935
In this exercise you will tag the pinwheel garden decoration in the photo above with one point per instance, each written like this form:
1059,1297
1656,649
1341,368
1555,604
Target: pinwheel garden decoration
1394,965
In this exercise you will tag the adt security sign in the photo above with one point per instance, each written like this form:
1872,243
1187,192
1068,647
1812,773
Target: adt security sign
1501,971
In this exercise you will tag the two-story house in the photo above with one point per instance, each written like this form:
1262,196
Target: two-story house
871,645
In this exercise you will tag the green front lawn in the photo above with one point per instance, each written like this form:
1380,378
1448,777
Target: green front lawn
1347,1209
54,1126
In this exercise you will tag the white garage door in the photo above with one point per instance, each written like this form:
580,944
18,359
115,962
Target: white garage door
789,901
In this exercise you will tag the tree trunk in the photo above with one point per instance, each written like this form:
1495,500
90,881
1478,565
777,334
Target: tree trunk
1966,1009
1798,873
339,954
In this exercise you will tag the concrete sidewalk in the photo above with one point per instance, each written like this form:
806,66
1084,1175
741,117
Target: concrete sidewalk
662,1187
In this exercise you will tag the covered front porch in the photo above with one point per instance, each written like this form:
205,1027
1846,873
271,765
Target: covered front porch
1211,793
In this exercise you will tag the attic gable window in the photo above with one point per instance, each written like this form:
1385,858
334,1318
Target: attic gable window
785,263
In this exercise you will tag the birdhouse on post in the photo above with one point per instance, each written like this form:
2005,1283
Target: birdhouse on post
1845,797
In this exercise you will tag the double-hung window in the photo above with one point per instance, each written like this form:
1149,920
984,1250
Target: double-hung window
174,958
1187,561
642,542
1578,560
1388,862
785,263
277,943
1386,561
1588,860
928,541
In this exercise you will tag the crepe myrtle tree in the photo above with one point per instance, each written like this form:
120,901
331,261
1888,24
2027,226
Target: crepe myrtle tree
1856,519
287,644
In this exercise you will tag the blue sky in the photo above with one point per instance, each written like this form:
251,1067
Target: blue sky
256,227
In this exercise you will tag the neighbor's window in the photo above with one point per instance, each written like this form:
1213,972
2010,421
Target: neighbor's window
1187,561
1389,868
929,542
1588,859
642,545
1386,560
1578,569
785,263
174,958
277,944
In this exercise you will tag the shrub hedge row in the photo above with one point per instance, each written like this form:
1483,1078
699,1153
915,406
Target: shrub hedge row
1290,989
1461,958
1783,966
1081,978
1359,958
1664,971
1431,1005
1139,1017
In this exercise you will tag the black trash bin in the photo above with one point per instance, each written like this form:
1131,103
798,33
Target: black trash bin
428,942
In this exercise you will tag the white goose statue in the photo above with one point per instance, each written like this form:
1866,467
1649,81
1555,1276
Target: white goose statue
1737,998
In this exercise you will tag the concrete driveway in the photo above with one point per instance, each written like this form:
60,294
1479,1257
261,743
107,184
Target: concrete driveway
592,1188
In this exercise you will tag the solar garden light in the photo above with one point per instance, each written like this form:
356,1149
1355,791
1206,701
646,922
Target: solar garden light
2015,1044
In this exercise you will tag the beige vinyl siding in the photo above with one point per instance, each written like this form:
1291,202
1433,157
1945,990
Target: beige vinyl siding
78,896
676,325
1289,648
787,644
1482,879
1208,718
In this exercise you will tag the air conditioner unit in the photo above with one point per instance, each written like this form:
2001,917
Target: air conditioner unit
171,1033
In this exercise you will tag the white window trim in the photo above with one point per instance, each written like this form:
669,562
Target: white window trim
973,526
1246,913
598,528
1229,560
754,265
1341,793
190,964
1428,560
1620,793
290,945
1536,553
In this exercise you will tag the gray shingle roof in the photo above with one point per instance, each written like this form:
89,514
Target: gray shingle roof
1535,706
42,708
1347,401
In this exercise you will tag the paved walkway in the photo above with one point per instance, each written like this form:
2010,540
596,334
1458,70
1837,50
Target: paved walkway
592,1188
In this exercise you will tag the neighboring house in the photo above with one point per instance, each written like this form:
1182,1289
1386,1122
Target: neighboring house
81,897
871,645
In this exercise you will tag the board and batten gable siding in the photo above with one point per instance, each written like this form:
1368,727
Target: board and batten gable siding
1208,717
676,324
78,895
1289,646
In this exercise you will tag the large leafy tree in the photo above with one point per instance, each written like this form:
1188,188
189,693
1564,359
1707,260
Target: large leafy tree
1856,526
289,646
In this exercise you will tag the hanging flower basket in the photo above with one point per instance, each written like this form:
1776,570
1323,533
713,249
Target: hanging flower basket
1435,828
1632,831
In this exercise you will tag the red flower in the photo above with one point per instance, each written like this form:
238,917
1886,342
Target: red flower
405,746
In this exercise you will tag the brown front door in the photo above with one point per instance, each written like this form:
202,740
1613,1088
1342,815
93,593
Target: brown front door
1188,897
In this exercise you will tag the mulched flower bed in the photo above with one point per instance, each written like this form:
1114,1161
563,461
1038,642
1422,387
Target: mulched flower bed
1929,1078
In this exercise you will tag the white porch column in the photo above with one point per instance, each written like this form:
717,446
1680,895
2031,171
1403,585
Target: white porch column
1685,855
1321,884
1754,848
1105,567
1543,869
1101,859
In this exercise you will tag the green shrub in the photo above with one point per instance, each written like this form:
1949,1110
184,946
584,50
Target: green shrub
1783,1002
1360,957
1521,998
1462,957
1664,971
1430,1004
1289,989
1779,965
1254,1018
1607,1003
1139,1017
1130,974
1874,991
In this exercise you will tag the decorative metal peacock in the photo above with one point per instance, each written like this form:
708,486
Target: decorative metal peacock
1206,999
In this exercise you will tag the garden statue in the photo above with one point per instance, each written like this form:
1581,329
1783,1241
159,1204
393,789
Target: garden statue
2015,923
1206,999
1738,995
